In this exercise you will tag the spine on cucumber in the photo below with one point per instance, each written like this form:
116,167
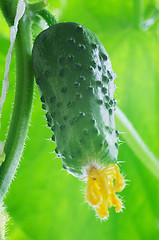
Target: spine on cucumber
76,82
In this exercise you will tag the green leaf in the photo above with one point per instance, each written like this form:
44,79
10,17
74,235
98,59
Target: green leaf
47,203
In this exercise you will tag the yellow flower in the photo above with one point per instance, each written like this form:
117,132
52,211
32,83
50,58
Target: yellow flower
102,184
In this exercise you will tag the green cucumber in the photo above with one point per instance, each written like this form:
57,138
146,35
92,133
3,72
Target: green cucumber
76,83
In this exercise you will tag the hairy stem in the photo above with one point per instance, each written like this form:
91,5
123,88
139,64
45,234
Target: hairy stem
48,17
22,105
136,143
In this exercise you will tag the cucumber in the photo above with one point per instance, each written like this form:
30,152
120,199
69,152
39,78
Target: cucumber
76,83
75,79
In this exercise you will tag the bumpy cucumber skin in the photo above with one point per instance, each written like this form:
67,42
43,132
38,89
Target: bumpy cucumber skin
76,82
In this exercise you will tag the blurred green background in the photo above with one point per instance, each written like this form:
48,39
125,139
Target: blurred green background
46,203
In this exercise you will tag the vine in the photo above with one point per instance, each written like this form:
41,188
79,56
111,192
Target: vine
22,105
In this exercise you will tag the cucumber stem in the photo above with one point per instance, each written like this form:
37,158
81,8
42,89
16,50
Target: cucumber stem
47,16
